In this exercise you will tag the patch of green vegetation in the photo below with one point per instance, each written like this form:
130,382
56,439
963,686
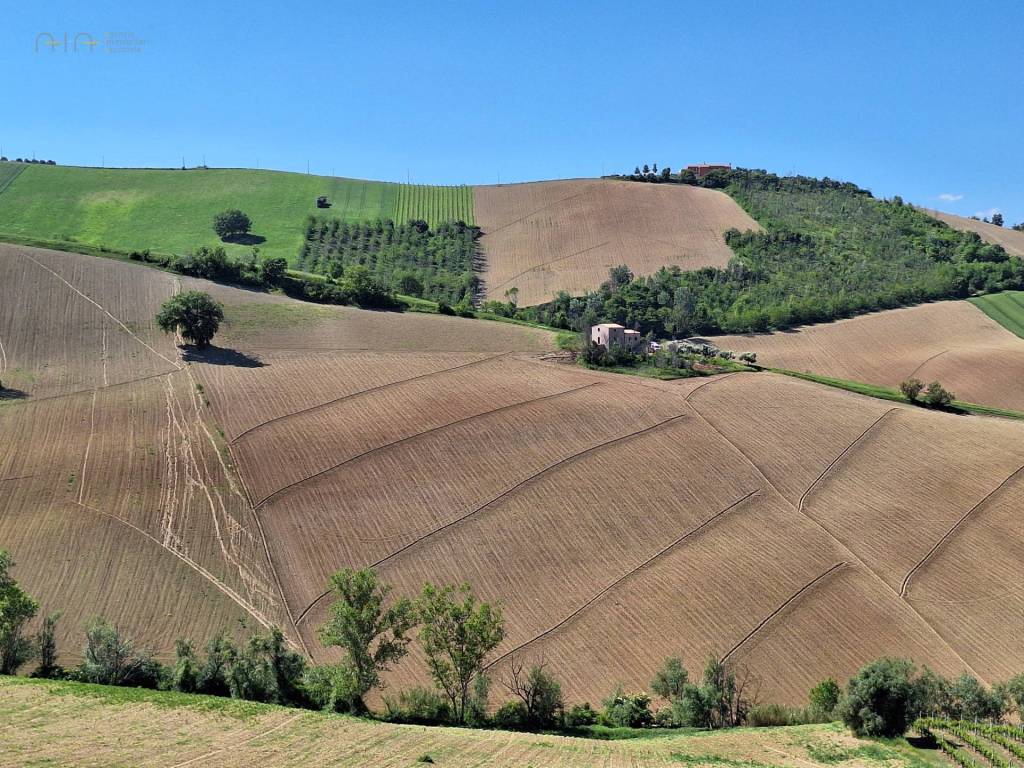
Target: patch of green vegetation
8,173
108,694
258,315
836,753
1006,308
610,733
171,211
434,204
679,757
894,395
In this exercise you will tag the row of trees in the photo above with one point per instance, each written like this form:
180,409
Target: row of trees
457,632
935,395
440,264
28,160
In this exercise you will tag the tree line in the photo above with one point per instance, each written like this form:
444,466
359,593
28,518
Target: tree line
829,250
411,258
457,633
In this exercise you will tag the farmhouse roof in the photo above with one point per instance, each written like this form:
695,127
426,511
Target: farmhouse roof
608,325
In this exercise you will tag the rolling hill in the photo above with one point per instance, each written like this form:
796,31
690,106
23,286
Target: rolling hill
171,211
793,529
552,236
1011,239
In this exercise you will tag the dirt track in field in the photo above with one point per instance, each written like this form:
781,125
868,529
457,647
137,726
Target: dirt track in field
618,520
1011,239
555,236
951,341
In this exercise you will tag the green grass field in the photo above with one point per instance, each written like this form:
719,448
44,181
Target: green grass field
1006,308
171,211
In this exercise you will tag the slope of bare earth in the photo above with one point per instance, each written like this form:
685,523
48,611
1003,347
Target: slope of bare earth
1011,239
951,341
69,724
552,236
617,519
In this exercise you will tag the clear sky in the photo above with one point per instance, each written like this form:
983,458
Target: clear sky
921,99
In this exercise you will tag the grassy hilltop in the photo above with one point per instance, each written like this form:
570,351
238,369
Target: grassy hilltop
172,210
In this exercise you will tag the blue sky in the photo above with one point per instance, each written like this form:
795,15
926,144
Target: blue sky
917,99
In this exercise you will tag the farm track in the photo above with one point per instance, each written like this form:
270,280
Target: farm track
362,392
788,602
938,544
503,495
548,263
843,545
629,574
917,370
369,451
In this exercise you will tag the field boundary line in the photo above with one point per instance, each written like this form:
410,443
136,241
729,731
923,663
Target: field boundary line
19,477
115,385
910,574
839,542
241,601
10,181
508,491
789,601
548,263
837,459
361,392
526,216
421,434
928,360
242,743
624,577
88,448
103,309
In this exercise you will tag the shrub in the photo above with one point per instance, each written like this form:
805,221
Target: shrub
46,650
770,715
911,388
627,711
670,681
580,716
111,659
538,692
937,397
878,699
823,699
420,706
512,716
444,308
333,688
231,223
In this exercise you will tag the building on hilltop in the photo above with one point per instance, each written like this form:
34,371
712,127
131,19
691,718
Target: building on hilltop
703,169
609,334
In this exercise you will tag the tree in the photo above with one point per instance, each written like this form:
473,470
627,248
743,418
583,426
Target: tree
539,692
911,388
1019,227
185,673
970,700
46,650
272,269
671,680
410,285
937,397
997,219
16,610
194,314
372,635
231,223
824,698
1014,691
879,699
111,659
457,634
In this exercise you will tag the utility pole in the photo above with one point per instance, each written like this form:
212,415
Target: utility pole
307,167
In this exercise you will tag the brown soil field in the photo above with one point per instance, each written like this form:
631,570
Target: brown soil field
90,727
951,341
552,236
618,520
1010,239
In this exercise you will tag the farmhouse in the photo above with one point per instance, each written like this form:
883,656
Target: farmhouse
609,334
703,169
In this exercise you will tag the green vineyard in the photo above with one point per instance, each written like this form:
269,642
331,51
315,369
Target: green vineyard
434,205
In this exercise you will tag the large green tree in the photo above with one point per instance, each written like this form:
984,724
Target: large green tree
879,698
194,314
457,633
373,633
16,610
231,223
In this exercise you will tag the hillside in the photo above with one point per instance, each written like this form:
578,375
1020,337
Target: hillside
951,341
171,211
552,236
72,724
794,529
1011,239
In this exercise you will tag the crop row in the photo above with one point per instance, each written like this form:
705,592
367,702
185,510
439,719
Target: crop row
434,204
977,736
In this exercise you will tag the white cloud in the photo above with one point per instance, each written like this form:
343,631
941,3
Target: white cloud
987,214
949,197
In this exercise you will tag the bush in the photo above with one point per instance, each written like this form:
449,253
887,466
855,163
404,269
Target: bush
627,711
512,716
231,223
937,397
420,706
111,659
46,650
580,716
911,388
444,308
770,715
333,688
824,698
878,699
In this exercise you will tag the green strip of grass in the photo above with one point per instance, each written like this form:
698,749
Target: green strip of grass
894,395
1006,308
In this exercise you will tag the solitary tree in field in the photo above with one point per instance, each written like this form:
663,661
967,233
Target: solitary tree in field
16,610
373,635
194,314
997,219
231,223
457,634
911,388
937,396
